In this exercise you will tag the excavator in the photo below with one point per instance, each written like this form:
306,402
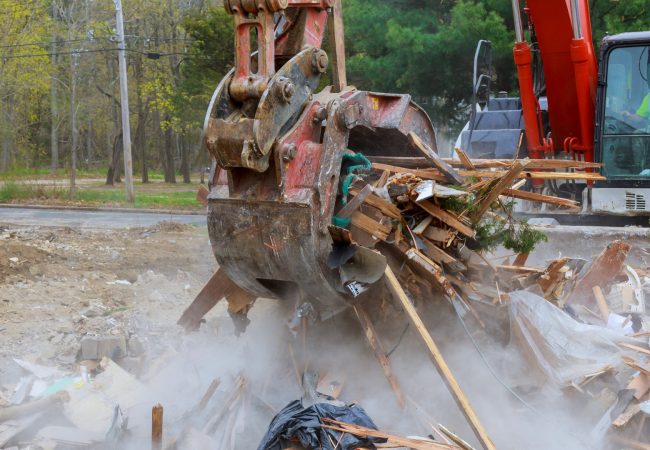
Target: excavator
571,106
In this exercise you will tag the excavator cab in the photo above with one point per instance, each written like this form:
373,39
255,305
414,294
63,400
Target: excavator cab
623,131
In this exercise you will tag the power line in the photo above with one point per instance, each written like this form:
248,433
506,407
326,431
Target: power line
150,55
111,39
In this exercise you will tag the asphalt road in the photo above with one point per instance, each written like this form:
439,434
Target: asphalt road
91,219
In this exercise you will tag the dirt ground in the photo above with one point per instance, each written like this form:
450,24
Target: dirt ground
60,284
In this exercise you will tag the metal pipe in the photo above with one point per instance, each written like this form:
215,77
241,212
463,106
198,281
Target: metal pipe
519,28
576,20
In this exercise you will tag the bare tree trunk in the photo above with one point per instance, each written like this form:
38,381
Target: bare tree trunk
73,125
113,174
89,141
6,136
185,160
170,172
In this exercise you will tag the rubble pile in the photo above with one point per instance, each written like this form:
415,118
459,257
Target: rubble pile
413,239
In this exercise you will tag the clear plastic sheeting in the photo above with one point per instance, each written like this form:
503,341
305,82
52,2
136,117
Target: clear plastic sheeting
565,349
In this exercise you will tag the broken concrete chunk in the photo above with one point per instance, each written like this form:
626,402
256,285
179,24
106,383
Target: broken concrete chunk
113,347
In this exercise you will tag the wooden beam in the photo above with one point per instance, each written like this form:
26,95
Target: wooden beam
464,159
218,287
449,172
504,183
156,427
534,175
355,203
428,174
534,197
532,164
383,205
447,218
370,226
438,361
380,353
607,265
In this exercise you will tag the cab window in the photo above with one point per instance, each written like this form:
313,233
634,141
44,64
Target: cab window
626,128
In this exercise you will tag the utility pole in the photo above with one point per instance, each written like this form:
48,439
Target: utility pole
124,96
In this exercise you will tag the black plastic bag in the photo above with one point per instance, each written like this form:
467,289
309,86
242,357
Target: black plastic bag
304,424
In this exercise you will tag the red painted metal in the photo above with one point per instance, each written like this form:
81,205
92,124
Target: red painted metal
570,72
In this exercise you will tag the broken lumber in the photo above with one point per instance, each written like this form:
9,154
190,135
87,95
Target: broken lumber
602,303
380,353
534,197
439,362
449,172
431,268
504,183
601,273
427,174
447,218
386,207
156,427
532,164
218,287
370,226
464,159
355,203
535,175
361,431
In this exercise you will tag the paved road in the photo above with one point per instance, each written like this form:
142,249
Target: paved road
91,219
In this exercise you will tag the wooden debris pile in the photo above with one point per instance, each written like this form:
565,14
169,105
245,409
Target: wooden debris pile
439,219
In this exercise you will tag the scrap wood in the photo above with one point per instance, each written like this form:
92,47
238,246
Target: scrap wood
627,415
602,303
447,217
370,226
502,184
607,265
457,440
630,443
355,203
520,269
532,164
358,430
449,172
380,353
156,427
233,397
641,367
534,197
535,175
439,362
464,159
640,384
427,174
552,276
431,268
383,205
438,234
422,226
218,287
636,348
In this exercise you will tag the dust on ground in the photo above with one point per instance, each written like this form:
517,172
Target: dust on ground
60,284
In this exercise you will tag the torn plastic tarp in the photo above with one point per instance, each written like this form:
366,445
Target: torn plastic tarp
295,423
564,348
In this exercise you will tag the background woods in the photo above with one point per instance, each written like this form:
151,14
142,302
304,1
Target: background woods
59,89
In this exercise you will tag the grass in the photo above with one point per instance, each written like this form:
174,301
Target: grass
155,195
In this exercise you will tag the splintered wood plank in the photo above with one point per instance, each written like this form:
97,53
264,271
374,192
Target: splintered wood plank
427,174
365,223
383,205
449,172
552,275
601,273
535,175
532,164
504,183
447,218
534,197
431,268
218,287
437,234
438,360
636,348
380,353
464,159
422,226
438,255
355,203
